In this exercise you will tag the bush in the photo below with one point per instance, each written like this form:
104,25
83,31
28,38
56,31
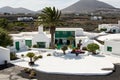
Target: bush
84,48
27,70
64,48
92,47
48,54
32,74
35,46
73,51
103,29
40,56
13,56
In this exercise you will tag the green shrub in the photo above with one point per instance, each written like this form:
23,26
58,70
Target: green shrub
35,46
48,54
92,47
64,48
13,56
32,74
40,56
84,48
27,70
103,29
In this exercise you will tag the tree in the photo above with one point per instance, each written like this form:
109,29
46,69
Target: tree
71,39
30,55
64,48
92,47
4,23
5,38
50,17
33,58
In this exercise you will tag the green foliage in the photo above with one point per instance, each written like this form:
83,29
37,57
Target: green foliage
35,46
103,29
5,38
92,47
36,58
40,56
4,23
71,39
48,54
30,55
64,48
49,16
13,56
22,55
84,48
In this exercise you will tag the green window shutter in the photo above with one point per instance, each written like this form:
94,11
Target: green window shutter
64,34
28,43
17,46
109,49
41,44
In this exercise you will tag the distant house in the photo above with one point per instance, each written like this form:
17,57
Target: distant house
25,19
112,28
95,18
4,55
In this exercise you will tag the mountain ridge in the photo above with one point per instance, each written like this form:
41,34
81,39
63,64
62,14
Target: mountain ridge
87,6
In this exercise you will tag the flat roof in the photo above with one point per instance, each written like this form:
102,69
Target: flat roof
68,29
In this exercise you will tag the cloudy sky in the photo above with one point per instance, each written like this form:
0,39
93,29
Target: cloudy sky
39,4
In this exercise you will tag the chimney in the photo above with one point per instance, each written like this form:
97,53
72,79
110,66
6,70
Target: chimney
40,29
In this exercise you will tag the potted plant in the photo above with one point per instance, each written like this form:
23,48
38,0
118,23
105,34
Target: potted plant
64,48
92,47
31,55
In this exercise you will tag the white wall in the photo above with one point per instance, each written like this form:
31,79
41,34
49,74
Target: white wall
21,44
41,38
4,55
78,32
115,47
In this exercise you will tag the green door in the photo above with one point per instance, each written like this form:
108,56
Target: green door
41,44
28,43
17,46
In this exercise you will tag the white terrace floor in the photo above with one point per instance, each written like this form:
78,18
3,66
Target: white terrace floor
70,64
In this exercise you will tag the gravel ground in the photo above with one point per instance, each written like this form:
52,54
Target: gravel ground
14,73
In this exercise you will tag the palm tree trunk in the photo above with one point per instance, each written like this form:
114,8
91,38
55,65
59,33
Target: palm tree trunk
52,32
30,59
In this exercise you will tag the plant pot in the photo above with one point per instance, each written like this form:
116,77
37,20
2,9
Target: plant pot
31,63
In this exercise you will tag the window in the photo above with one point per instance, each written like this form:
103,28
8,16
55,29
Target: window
109,49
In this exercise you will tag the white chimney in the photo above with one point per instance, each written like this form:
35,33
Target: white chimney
40,28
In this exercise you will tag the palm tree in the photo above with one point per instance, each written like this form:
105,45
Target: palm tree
71,39
64,48
30,55
50,17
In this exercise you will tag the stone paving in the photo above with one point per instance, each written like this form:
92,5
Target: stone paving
11,73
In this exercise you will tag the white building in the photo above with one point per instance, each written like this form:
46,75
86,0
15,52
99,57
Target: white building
112,47
25,19
24,40
113,28
96,18
4,55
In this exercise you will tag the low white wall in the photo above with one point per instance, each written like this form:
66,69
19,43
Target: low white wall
4,55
